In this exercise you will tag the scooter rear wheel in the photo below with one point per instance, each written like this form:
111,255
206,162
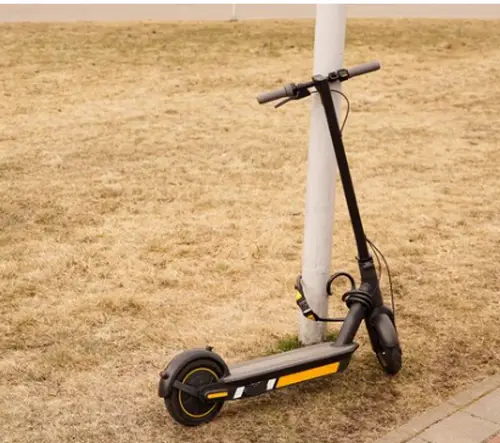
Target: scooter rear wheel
190,410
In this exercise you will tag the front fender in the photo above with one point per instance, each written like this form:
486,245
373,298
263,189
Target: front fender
169,374
381,329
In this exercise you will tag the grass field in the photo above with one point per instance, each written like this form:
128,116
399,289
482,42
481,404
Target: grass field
148,204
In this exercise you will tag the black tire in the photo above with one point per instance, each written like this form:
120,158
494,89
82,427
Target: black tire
390,359
192,411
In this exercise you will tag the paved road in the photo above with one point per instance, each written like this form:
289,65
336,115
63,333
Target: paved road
89,12
472,416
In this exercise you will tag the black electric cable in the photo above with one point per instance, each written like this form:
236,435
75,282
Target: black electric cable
388,269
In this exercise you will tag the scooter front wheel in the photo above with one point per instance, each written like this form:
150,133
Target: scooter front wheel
385,341
190,410
390,359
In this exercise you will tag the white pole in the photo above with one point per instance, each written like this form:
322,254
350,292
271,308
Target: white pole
233,13
322,169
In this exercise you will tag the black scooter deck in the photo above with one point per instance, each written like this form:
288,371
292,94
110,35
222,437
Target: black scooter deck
290,362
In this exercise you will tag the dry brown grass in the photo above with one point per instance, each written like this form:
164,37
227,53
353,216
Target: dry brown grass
149,205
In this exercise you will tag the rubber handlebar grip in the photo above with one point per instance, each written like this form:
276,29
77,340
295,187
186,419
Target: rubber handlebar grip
287,91
266,97
364,68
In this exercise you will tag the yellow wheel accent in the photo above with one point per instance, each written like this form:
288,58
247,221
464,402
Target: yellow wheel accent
180,398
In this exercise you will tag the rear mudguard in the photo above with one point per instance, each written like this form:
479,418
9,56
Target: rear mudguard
169,374
382,329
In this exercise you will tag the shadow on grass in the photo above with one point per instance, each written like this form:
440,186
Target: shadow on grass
363,384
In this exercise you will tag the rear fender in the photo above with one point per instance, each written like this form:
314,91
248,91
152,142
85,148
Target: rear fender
169,374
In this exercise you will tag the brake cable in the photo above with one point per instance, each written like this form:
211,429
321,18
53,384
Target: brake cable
299,94
304,92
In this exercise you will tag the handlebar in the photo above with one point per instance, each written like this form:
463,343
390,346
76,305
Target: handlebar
286,91
364,68
294,91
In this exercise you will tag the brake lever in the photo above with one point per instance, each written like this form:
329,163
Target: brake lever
301,93
283,102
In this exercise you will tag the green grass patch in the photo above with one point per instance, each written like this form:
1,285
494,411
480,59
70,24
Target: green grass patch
291,341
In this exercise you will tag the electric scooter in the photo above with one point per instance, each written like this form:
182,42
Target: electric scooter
197,382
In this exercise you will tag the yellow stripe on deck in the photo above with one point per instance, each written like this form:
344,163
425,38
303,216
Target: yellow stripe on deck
217,395
307,375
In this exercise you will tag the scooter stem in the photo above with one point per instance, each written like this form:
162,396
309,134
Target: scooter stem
323,87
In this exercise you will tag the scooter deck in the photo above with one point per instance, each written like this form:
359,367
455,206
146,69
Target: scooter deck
291,362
